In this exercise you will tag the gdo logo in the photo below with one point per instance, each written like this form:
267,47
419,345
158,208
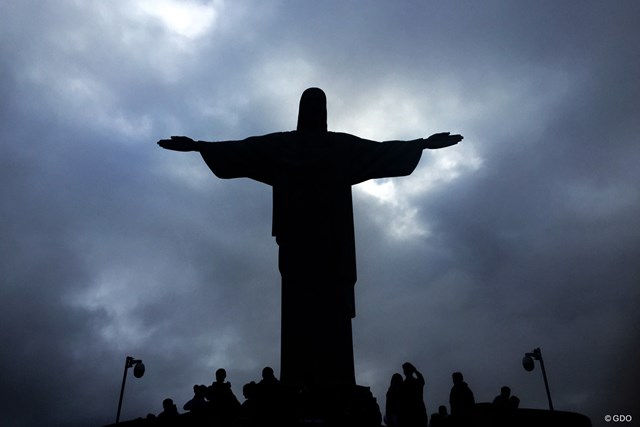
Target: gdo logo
618,418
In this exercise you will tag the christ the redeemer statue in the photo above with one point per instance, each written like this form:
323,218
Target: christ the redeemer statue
311,171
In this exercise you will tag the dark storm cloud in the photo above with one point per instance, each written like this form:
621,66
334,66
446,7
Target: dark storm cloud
525,235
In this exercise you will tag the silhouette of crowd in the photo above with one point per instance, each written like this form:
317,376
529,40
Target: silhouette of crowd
405,406
267,402
217,405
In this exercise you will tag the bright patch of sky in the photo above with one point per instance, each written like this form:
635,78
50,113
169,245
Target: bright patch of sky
403,196
190,19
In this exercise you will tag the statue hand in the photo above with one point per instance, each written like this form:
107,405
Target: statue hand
441,140
179,143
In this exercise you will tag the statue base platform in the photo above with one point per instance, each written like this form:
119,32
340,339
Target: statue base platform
336,406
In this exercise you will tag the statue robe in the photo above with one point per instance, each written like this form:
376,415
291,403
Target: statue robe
311,173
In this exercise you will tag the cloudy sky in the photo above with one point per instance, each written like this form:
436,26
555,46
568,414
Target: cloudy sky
525,235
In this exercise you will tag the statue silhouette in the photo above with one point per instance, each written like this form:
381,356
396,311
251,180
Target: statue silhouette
311,171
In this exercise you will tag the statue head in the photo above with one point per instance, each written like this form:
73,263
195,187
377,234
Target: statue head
312,114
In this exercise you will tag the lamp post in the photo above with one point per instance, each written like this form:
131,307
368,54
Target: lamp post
138,372
528,365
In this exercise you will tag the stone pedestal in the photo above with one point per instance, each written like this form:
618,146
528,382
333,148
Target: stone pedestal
335,406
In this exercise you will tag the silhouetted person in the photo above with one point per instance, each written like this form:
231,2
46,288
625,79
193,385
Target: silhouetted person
394,403
311,171
223,404
268,377
505,406
461,399
249,391
169,414
413,411
514,402
198,402
501,401
198,407
250,410
270,396
440,418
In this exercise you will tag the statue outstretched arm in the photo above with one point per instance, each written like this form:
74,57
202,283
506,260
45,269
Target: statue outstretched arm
441,140
181,143
254,157
373,159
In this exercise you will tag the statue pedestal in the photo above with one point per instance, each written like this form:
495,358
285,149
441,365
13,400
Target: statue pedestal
334,406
